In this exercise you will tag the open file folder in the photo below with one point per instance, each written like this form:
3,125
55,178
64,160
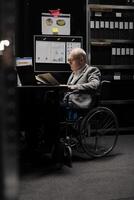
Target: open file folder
47,78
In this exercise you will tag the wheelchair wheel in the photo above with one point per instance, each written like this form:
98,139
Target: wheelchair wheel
99,132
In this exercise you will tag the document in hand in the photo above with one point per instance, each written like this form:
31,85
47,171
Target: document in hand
47,78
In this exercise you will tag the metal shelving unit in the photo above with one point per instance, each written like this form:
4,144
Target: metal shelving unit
110,41
115,67
106,44
102,7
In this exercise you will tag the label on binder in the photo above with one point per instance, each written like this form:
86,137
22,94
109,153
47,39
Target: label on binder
126,25
92,24
121,25
116,25
130,25
118,51
111,25
113,51
122,51
127,51
117,76
98,14
118,14
101,24
97,24
131,51
106,24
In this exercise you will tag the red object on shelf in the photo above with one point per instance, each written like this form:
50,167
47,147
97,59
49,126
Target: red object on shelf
55,13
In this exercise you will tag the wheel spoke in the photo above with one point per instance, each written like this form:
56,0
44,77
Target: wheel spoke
100,133
96,142
110,122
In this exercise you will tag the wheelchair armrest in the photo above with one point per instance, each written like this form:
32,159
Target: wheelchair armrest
105,81
70,93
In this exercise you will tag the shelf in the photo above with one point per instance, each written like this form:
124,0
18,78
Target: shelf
116,102
103,43
100,43
109,41
107,67
102,7
126,128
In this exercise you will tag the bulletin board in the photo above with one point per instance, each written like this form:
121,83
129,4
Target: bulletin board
51,52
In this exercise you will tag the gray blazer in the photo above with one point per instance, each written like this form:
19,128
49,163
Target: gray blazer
85,87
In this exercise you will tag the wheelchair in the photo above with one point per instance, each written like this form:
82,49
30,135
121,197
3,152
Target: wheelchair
95,133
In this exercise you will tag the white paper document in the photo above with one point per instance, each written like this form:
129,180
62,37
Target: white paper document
70,46
50,52
61,24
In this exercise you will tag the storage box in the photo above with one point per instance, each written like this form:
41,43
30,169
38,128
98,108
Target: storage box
25,61
55,25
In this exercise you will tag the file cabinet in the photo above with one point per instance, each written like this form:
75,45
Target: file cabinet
111,46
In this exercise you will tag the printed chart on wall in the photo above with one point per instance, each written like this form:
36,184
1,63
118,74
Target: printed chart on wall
50,52
70,46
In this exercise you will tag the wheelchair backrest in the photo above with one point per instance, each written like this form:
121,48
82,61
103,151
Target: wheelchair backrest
104,90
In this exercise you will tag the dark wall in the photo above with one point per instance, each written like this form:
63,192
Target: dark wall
29,21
